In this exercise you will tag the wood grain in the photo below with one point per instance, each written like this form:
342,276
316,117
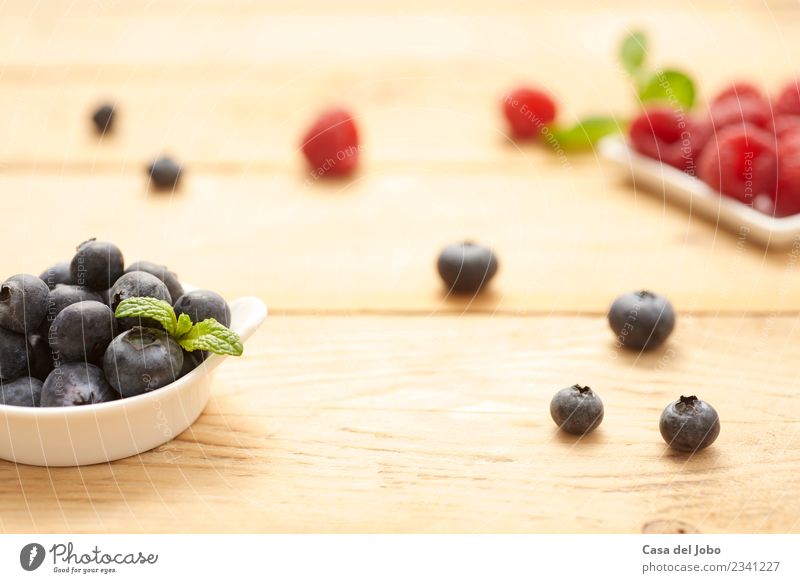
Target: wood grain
343,424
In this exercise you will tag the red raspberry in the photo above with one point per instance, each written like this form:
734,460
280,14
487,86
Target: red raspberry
788,101
741,163
528,110
739,90
669,136
739,110
787,198
331,144
784,125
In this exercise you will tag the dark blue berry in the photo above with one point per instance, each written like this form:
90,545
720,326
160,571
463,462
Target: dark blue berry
62,296
202,304
23,392
14,350
165,173
40,357
82,332
161,272
137,284
577,409
689,424
74,384
142,360
466,268
23,303
641,320
103,118
57,274
97,265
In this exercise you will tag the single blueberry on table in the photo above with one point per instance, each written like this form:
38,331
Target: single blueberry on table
137,284
23,392
165,173
141,360
161,272
23,303
40,357
82,332
466,268
14,350
57,274
202,304
76,383
689,424
641,320
576,409
97,265
103,118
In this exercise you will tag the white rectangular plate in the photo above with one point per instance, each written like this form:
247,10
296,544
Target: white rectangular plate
697,197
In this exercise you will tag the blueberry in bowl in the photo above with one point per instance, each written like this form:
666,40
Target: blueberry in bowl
84,380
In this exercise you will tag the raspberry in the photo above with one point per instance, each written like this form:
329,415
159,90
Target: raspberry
331,144
739,110
788,101
669,136
739,90
741,163
787,198
784,125
528,110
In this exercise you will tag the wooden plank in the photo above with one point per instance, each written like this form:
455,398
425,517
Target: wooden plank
376,424
568,241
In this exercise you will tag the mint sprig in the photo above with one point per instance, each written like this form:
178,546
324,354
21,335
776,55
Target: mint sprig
585,133
669,85
207,335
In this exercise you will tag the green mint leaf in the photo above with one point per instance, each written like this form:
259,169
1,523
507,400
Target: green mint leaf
633,51
585,133
212,336
668,85
183,326
158,310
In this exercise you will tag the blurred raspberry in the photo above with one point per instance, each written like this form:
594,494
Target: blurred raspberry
331,144
784,125
741,163
669,136
739,110
527,111
788,101
739,90
787,199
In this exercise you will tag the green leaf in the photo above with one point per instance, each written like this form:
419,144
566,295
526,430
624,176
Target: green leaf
585,133
633,51
158,310
212,336
184,325
669,85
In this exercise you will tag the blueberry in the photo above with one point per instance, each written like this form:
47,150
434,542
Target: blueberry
76,383
13,355
103,118
165,173
142,360
641,320
202,304
82,332
23,392
577,409
56,274
466,268
62,296
137,284
23,303
40,357
161,272
191,360
689,424
97,264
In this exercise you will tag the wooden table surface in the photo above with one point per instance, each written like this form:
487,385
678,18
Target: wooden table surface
369,401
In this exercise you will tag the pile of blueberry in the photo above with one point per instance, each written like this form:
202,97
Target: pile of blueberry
640,321
63,341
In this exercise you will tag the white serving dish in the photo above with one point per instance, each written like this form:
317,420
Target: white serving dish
700,198
91,434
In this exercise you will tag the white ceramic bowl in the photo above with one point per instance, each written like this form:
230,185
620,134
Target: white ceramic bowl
90,434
